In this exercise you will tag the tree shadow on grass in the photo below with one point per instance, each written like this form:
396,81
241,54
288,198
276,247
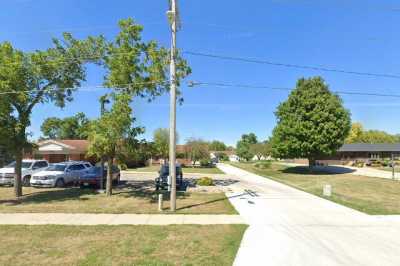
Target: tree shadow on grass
145,189
133,189
191,182
47,196
317,170
208,202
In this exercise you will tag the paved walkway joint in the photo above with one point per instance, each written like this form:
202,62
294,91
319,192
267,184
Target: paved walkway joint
115,219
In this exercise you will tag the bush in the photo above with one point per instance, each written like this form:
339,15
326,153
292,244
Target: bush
358,164
222,157
180,155
263,165
123,166
205,181
205,163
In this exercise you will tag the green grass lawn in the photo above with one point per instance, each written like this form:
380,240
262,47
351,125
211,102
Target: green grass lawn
367,194
186,170
129,199
120,245
388,169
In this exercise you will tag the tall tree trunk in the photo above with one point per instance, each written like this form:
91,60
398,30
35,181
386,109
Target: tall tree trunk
102,174
109,176
18,174
311,162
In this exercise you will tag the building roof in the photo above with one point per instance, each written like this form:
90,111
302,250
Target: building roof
75,144
366,147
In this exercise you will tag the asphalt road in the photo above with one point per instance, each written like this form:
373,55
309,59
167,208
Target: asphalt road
291,227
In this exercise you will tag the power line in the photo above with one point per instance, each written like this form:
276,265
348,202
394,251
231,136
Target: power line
265,62
220,84
200,83
85,88
233,58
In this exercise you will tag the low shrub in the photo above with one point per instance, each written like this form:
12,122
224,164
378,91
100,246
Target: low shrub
263,165
205,181
358,164
205,163
123,166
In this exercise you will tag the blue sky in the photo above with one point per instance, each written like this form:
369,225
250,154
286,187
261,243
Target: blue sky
357,35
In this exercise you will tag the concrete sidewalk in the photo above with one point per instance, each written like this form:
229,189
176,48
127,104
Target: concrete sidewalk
115,219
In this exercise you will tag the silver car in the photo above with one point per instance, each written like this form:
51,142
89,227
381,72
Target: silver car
60,174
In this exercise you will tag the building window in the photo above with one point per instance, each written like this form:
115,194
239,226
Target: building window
374,155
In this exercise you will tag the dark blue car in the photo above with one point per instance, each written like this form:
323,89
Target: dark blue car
93,177
161,182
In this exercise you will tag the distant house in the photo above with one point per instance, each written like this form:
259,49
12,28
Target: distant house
229,153
362,152
262,158
234,158
55,151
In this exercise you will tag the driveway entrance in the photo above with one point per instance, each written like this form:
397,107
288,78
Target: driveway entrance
291,227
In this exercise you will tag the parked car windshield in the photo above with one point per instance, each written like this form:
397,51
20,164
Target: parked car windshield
56,167
23,165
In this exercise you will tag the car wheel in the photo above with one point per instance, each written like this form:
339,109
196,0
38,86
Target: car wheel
26,181
60,183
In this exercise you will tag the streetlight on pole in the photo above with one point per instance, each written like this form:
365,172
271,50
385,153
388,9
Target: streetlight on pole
173,18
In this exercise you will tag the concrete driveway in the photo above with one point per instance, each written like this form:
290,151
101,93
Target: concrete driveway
291,227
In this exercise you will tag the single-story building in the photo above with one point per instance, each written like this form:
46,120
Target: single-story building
350,153
55,151
230,154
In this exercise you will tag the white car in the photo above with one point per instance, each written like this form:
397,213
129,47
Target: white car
60,174
29,167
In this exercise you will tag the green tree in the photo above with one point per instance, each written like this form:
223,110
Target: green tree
312,122
111,133
138,67
359,135
74,127
216,145
5,110
377,136
355,134
37,77
197,150
243,146
161,143
261,149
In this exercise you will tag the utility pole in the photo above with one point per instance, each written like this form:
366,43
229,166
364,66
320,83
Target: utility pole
173,19
103,101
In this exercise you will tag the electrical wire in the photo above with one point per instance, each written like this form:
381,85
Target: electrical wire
208,84
266,62
220,84
85,88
